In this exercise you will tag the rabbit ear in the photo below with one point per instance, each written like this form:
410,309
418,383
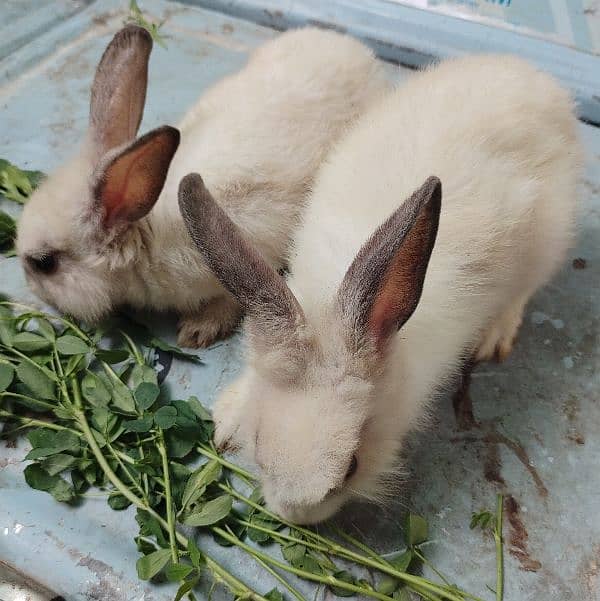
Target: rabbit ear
239,266
119,89
129,184
382,287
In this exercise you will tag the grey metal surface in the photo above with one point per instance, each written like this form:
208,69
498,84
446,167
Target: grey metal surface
538,414
16,586
413,36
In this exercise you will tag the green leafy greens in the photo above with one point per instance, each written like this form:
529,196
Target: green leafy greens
16,185
137,17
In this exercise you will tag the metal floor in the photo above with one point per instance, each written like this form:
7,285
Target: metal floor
538,415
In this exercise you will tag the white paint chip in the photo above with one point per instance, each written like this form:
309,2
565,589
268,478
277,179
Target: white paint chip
538,318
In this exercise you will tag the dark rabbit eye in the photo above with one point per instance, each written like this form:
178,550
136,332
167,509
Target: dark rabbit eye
352,467
46,264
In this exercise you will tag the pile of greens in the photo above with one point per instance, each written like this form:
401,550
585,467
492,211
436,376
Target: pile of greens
16,185
95,416
136,16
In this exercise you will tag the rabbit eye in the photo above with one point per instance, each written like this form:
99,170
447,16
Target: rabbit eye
46,263
352,467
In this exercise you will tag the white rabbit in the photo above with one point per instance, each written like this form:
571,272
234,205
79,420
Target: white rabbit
92,237
330,389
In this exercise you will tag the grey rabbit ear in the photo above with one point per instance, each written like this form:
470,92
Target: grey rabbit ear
237,264
119,89
382,287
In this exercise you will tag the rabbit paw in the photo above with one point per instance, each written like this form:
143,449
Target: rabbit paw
227,414
216,319
498,340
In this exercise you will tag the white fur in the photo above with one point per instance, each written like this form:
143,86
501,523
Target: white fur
257,137
501,136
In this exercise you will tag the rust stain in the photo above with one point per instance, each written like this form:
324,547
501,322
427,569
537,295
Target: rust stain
590,572
518,536
465,421
462,402
576,437
493,465
579,263
495,437
101,19
227,28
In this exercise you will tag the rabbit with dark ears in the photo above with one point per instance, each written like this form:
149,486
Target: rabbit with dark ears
331,387
105,229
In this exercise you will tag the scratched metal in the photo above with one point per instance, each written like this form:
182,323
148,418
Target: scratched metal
532,432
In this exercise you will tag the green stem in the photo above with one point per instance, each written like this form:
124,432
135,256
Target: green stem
422,557
76,393
424,594
133,481
323,579
61,375
335,549
230,466
360,545
134,349
31,422
162,449
284,536
295,592
36,313
499,550
15,395
142,457
373,554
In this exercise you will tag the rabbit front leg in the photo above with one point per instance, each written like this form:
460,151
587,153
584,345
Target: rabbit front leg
497,341
228,414
214,320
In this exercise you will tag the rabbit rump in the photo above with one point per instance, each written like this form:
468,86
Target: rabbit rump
331,387
105,230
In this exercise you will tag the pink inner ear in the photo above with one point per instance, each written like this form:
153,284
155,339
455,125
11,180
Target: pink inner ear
133,180
400,287
123,193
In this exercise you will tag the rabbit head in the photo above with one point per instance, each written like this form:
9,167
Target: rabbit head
306,408
80,231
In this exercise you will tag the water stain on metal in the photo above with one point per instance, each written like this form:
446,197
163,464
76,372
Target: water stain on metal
109,585
518,537
59,544
326,25
571,408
